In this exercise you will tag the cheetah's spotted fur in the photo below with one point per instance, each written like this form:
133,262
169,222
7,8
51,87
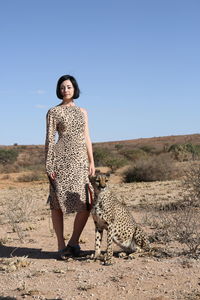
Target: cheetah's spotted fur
108,213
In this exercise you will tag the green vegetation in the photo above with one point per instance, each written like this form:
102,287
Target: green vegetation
118,146
116,163
141,157
133,154
8,156
106,158
148,149
21,158
101,155
152,169
185,152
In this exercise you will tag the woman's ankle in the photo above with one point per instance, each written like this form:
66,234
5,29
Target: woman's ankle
73,243
61,246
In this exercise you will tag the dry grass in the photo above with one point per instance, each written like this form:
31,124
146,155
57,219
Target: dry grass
182,225
18,209
5,177
33,176
45,278
14,263
191,185
180,220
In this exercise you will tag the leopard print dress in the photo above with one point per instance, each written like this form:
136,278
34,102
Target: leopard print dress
67,158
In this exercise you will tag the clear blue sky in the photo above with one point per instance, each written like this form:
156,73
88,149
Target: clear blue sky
137,63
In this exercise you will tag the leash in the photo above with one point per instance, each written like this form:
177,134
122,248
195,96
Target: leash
89,197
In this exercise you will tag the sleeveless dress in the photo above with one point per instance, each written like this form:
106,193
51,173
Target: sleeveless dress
67,158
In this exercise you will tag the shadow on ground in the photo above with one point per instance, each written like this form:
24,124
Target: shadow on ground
7,298
35,253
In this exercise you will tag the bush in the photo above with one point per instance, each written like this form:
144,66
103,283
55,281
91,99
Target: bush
9,168
148,149
5,177
133,154
101,155
8,156
20,207
119,146
115,163
185,152
31,158
152,169
187,228
191,184
182,225
34,176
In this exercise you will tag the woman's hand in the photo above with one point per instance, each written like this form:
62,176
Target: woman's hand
53,175
91,169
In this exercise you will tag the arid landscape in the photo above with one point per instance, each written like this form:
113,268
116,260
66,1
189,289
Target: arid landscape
168,211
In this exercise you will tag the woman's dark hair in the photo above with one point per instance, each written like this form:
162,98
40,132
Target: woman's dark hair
74,83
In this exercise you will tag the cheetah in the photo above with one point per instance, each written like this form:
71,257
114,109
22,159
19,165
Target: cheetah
110,214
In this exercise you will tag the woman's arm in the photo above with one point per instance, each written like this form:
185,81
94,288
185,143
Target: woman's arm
89,145
49,144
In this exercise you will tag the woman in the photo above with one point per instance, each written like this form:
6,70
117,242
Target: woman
69,161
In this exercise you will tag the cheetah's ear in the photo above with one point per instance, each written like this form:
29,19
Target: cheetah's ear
92,178
97,171
108,174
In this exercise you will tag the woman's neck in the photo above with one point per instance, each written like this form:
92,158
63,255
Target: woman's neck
68,102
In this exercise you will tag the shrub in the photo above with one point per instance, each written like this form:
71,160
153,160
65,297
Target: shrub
20,207
22,147
9,168
191,184
115,163
8,156
187,228
118,146
185,152
148,149
31,158
101,155
5,177
154,168
182,225
34,176
133,154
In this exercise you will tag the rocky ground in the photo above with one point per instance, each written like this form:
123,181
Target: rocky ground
29,266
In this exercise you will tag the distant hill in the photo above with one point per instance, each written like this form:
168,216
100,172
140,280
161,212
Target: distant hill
113,154
156,142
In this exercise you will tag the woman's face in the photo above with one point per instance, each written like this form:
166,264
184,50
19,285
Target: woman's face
67,89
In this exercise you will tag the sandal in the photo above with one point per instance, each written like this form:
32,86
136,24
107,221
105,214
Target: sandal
75,250
63,253
70,251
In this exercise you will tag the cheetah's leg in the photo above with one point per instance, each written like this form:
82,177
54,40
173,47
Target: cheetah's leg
98,239
109,251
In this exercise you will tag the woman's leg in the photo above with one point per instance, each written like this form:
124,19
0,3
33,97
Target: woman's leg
79,224
58,225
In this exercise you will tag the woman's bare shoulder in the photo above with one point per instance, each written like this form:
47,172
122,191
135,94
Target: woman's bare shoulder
84,111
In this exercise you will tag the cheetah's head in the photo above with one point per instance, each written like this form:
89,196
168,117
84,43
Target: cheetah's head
99,181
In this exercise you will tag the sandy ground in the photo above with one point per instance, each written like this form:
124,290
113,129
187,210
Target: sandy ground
29,265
